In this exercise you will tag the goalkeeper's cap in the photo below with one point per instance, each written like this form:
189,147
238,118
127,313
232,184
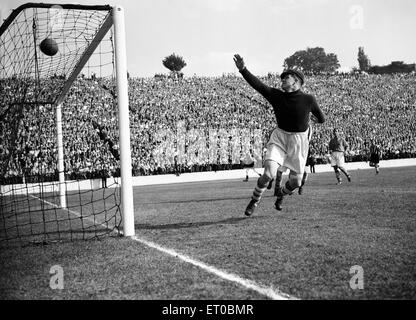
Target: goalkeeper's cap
293,72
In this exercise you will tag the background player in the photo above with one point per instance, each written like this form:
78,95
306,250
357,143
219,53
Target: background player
311,162
337,147
248,163
375,156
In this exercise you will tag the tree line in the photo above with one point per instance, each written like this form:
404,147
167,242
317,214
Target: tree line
310,61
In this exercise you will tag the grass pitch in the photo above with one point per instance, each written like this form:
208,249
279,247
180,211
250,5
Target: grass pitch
306,250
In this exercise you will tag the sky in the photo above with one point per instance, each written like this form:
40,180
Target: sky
207,33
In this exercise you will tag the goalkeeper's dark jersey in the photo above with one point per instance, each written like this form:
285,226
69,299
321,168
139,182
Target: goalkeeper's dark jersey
292,109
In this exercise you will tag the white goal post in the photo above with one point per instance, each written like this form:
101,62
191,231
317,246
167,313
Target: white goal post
124,127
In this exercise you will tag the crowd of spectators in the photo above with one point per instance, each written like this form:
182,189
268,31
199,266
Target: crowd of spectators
197,123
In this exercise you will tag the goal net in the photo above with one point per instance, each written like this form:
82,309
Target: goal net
64,157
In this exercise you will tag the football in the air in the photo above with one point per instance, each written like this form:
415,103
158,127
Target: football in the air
49,47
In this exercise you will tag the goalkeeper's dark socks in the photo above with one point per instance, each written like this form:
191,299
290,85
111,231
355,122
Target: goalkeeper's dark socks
259,190
287,189
304,178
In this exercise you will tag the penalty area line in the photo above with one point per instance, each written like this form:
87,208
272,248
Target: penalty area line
249,284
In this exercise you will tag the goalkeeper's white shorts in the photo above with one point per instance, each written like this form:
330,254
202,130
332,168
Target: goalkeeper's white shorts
337,159
289,149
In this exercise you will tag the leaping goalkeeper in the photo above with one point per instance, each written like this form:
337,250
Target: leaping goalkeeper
289,142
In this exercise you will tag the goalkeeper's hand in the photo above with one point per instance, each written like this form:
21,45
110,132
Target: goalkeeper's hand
314,119
239,62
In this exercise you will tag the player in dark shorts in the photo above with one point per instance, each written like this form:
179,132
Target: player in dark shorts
375,156
311,161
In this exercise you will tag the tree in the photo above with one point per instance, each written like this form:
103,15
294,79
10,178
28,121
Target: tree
312,60
393,67
174,63
363,61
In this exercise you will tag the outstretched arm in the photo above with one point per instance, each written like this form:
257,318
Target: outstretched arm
314,119
239,62
250,78
317,114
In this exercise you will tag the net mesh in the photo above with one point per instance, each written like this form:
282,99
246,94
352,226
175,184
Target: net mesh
80,78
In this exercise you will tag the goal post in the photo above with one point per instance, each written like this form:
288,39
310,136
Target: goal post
61,166
124,128
90,38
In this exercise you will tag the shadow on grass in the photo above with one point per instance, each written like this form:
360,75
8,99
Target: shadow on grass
182,225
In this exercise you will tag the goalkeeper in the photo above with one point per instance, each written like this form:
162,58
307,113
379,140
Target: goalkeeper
289,143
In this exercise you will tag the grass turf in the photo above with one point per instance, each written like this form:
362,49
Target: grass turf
305,250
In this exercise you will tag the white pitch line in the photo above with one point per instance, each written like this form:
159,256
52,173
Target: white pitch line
74,213
249,284
266,291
